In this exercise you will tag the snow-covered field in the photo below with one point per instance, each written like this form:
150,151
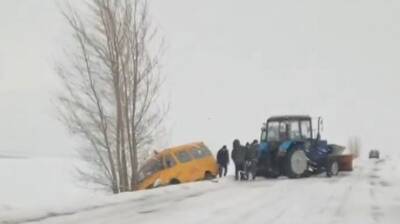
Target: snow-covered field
31,183
370,194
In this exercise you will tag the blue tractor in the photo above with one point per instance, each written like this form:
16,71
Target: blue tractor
289,147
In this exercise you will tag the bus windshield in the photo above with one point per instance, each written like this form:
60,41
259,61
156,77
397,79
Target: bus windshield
151,167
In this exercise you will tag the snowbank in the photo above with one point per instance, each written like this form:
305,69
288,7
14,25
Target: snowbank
29,183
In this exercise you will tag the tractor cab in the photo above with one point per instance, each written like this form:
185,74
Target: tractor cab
288,146
287,128
280,133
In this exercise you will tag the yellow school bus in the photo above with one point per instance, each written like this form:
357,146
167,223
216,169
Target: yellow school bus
185,163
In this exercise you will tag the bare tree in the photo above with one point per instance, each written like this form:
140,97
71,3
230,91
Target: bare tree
112,82
354,145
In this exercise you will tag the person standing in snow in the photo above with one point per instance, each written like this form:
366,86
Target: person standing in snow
247,145
223,161
252,155
238,157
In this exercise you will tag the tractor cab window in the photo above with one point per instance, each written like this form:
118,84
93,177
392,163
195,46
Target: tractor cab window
305,129
263,135
294,130
284,130
284,127
273,131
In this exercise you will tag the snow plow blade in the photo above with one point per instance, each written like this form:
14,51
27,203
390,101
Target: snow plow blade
345,162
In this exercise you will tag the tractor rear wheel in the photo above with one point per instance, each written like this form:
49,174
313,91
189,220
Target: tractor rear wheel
296,164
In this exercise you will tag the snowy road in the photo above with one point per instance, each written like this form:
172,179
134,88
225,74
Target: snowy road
370,194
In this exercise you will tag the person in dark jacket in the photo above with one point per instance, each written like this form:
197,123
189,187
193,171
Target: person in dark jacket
223,160
238,157
251,160
252,155
248,152
252,152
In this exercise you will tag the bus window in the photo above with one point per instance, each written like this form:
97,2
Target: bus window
183,156
199,153
169,161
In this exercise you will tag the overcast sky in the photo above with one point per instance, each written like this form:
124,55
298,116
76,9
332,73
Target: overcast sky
229,65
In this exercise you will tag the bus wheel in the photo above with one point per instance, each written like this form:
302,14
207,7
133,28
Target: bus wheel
208,175
174,181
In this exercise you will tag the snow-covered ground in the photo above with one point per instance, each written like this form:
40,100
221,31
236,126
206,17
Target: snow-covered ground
370,194
29,183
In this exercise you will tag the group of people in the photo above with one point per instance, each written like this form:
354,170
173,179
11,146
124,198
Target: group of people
245,159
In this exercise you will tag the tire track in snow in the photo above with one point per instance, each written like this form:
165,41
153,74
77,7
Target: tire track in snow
375,183
244,204
336,208
274,209
323,207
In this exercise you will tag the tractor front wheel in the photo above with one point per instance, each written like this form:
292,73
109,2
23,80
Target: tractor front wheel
332,168
296,164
